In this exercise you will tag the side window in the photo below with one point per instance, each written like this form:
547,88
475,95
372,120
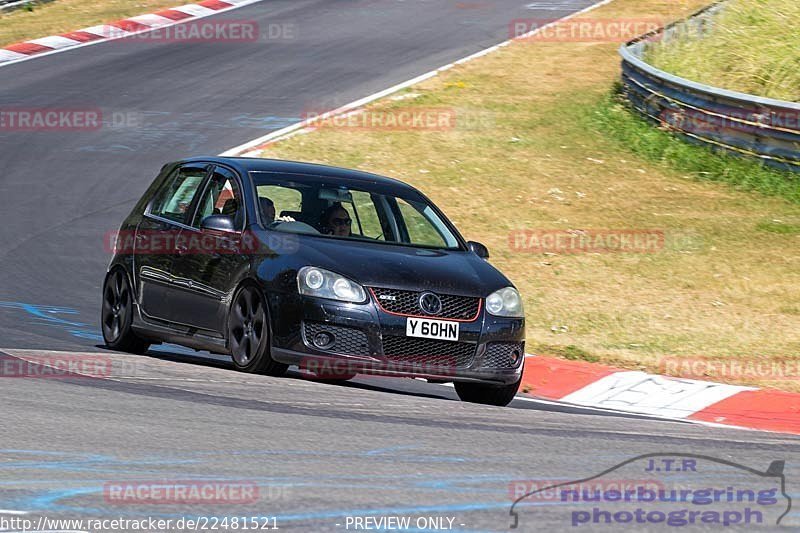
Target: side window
367,220
282,200
420,229
174,198
221,197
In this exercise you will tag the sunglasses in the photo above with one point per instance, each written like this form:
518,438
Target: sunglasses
341,221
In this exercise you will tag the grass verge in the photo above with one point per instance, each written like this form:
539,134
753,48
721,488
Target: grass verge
751,47
62,16
660,146
542,146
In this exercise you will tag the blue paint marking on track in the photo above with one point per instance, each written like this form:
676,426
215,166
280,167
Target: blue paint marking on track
54,500
49,315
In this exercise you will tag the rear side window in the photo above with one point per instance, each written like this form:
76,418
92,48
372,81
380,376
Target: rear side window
175,197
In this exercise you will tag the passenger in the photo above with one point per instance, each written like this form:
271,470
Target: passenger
336,221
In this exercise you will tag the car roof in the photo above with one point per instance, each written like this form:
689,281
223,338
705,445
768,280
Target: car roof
252,164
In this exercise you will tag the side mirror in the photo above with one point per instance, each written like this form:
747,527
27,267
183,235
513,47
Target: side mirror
218,223
478,249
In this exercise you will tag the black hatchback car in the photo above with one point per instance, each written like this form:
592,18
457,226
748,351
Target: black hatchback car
337,271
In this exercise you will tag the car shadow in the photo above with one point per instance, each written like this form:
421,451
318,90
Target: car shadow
400,386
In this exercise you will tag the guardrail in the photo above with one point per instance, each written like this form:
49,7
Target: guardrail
730,121
11,4
14,4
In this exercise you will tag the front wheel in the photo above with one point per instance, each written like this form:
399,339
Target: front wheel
116,315
487,394
248,334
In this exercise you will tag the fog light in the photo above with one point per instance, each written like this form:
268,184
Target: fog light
515,357
323,340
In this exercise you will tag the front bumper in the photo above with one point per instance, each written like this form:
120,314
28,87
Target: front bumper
369,340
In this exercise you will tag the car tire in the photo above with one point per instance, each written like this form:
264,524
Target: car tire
116,315
248,333
487,394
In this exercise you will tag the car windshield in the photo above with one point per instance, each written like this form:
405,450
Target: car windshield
325,206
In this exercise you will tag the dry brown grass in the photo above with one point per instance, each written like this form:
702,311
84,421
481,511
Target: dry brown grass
720,287
62,16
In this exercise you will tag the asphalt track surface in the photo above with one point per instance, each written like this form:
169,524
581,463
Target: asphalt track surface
318,452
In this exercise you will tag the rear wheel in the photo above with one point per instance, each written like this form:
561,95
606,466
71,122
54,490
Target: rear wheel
248,334
487,394
117,315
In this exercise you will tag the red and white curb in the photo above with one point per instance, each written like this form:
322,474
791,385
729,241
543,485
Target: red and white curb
603,387
116,30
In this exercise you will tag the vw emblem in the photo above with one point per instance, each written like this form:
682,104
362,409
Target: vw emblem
430,303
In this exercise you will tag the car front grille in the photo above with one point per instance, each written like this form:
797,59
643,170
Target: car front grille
427,353
406,303
348,341
501,354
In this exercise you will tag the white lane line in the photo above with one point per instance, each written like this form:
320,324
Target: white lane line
8,57
11,511
551,5
245,149
345,108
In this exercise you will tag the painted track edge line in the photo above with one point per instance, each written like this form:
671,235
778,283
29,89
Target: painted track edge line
277,135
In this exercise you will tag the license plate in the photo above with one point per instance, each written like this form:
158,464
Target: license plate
432,329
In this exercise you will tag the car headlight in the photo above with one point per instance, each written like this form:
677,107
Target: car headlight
313,281
505,302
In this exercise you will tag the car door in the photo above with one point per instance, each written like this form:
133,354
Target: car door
208,262
167,214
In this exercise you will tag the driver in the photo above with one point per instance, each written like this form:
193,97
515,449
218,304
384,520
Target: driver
267,209
336,221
